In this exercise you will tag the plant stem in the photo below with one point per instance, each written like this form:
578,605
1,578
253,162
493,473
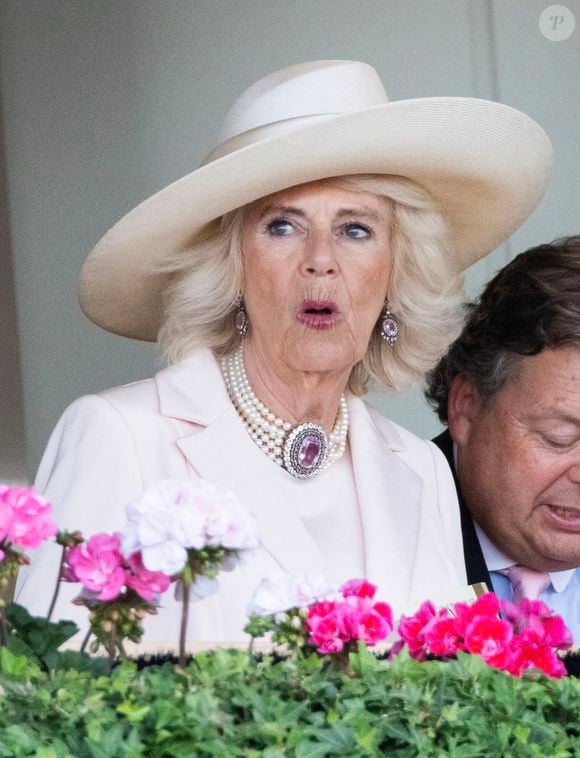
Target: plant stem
86,640
57,588
111,648
3,626
186,582
121,648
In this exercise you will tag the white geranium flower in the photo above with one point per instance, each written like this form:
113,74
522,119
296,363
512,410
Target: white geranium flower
230,562
169,557
187,527
171,518
310,588
283,591
201,588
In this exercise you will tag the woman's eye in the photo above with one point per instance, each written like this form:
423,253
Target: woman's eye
280,227
357,231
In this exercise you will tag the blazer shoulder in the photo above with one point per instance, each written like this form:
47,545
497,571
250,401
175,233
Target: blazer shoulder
421,455
140,394
397,437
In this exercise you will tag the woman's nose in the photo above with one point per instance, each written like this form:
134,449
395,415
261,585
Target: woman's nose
319,256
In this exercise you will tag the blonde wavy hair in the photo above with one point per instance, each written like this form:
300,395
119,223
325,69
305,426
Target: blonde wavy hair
425,289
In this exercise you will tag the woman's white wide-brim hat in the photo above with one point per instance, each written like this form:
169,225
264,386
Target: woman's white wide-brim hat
485,164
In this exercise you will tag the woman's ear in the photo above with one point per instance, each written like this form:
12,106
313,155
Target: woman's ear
463,406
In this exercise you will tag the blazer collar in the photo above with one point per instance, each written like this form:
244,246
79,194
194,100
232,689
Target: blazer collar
193,389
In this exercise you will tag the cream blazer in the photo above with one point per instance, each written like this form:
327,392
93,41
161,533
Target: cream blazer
108,447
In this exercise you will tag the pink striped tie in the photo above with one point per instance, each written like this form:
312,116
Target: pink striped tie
526,582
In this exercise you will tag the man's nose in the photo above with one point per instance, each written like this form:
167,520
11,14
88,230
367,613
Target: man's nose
574,470
319,255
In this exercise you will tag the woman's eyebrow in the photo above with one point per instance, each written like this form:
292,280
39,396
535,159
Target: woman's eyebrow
288,209
362,212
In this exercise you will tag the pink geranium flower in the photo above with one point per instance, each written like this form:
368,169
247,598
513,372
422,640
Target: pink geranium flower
525,639
536,615
101,567
98,565
372,628
490,638
145,583
529,651
556,633
486,605
25,517
358,588
441,636
334,623
324,627
412,630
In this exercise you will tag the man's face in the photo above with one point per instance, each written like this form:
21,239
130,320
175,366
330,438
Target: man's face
519,459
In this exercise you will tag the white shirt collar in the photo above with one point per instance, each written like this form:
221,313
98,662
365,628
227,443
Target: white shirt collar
496,560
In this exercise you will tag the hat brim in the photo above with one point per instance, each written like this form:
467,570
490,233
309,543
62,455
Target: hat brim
485,164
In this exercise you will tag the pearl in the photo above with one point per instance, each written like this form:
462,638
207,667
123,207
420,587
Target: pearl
268,431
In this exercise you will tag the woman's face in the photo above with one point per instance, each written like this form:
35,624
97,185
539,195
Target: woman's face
316,265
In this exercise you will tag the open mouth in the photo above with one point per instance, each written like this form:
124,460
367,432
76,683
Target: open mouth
319,311
566,518
318,314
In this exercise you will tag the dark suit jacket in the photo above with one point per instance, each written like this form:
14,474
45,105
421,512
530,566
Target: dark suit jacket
474,560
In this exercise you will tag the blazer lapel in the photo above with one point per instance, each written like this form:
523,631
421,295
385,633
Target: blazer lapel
474,561
220,450
389,495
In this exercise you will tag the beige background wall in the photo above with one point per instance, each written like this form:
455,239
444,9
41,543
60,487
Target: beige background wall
106,101
13,463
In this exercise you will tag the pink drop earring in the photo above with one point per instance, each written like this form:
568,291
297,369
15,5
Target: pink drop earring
389,326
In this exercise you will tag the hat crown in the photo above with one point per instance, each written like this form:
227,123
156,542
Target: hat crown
304,91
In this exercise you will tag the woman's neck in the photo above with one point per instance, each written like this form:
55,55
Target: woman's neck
294,395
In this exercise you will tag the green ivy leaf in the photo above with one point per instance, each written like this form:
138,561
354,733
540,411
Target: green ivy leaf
134,713
308,749
40,635
16,665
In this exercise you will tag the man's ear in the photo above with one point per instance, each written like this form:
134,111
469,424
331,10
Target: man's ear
463,404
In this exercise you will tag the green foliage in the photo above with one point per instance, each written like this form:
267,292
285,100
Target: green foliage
37,634
39,640
226,703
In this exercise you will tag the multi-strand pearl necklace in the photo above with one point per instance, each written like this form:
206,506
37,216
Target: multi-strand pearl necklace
305,450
